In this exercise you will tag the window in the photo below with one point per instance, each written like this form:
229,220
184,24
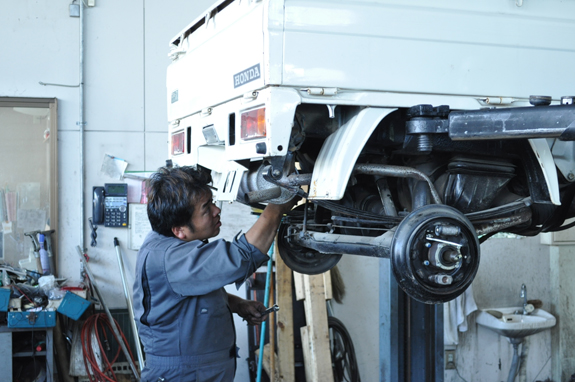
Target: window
28,175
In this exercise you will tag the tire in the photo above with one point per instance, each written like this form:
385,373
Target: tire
301,259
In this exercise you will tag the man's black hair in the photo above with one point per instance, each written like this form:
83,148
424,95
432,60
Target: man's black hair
172,196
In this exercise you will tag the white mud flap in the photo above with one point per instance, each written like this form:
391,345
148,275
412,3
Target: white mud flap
340,151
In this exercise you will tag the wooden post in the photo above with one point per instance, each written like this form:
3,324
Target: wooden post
298,282
327,285
315,335
285,346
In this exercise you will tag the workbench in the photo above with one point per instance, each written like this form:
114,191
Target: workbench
7,356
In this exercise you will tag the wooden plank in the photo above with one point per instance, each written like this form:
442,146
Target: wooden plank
62,361
77,367
307,354
298,283
318,361
285,347
327,285
266,363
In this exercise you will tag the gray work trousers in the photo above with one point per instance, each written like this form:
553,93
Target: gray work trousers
213,367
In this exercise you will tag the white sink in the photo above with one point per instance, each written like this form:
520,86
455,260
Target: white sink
505,322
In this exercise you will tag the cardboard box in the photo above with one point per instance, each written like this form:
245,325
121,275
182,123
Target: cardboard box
15,304
43,319
82,293
53,304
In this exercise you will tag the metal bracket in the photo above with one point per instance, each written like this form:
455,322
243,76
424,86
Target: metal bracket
280,165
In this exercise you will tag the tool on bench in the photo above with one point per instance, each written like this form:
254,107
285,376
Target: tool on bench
36,247
44,255
48,236
34,235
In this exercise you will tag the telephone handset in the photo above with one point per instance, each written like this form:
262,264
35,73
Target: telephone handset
110,205
98,205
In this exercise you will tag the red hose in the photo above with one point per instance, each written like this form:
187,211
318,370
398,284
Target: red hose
89,328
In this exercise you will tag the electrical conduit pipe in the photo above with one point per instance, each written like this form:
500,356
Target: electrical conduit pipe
266,302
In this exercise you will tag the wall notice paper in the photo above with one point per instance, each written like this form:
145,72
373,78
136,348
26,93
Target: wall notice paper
31,220
139,225
113,166
3,214
11,203
7,227
29,195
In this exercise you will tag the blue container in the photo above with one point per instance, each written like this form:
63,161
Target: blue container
32,319
73,305
4,299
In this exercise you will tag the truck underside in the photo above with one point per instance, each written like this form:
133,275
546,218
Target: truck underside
407,128
423,192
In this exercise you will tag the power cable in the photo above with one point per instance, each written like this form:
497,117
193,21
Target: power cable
92,328
457,371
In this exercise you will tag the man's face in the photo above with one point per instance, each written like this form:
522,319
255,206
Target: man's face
205,221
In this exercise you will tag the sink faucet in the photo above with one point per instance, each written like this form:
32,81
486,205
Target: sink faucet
523,295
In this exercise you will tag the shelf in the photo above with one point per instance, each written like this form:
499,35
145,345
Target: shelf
7,357
29,354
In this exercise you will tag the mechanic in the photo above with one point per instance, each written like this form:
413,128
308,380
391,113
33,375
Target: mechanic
183,313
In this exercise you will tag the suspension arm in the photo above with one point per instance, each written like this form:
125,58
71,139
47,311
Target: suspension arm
345,244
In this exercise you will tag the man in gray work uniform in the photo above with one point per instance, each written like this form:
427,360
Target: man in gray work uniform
182,310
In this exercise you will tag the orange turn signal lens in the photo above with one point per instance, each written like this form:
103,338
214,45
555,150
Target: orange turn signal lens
178,141
253,124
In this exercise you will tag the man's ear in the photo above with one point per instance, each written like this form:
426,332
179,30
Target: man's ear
179,232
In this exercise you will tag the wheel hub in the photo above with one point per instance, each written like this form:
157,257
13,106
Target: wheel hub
435,254
301,259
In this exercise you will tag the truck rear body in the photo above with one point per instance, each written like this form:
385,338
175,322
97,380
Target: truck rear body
374,110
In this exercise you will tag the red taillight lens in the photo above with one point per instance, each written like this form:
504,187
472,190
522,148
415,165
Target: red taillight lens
178,140
253,124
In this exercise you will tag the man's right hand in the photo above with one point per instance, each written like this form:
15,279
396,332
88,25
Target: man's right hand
289,205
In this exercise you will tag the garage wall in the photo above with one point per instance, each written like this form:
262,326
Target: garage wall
126,46
125,55
483,355
359,310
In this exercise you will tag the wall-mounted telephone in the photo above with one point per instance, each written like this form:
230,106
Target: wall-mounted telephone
110,205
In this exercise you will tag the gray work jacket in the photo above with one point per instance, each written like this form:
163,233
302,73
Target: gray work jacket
180,305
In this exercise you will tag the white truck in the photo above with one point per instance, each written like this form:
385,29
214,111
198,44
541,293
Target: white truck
414,130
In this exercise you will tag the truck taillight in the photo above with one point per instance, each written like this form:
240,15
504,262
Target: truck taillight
178,140
253,124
